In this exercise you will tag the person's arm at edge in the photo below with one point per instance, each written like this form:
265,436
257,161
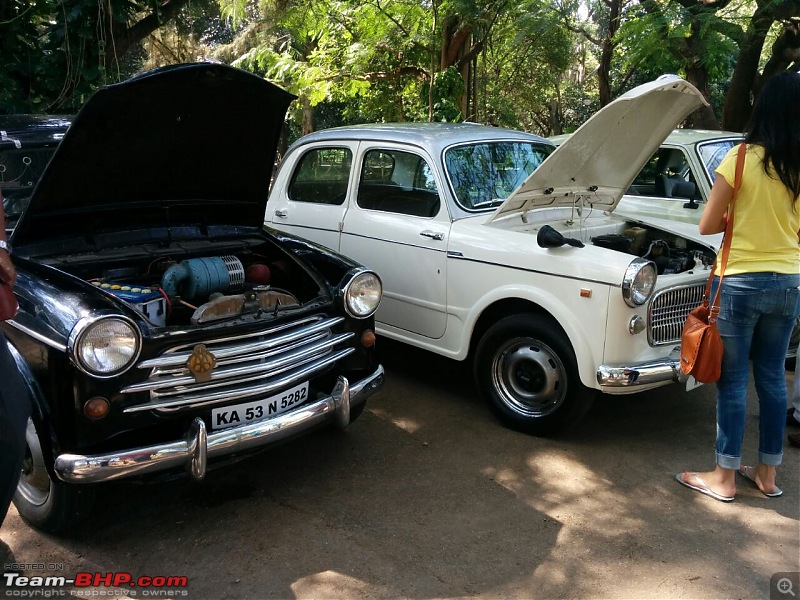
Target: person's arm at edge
7,271
714,219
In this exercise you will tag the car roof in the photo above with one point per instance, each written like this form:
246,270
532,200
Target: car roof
684,137
433,136
693,136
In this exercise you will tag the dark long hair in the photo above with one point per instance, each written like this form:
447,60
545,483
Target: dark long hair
775,125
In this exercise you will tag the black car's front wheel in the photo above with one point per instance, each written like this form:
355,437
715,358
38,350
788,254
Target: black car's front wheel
48,505
527,372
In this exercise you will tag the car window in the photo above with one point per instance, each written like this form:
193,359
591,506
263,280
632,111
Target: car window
483,175
321,176
666,175
398,182
712,154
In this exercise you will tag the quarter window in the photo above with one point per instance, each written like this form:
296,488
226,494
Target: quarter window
321,176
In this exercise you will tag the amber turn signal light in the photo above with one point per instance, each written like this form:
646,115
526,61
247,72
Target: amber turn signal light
368,338
96,408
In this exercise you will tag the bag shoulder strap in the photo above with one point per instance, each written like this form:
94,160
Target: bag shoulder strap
726,239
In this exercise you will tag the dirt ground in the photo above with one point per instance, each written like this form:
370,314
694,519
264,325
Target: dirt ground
427,496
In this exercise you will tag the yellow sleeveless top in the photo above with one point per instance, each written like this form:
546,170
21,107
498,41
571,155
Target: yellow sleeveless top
766,221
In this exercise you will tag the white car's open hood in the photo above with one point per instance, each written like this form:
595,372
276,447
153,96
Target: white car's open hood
597,164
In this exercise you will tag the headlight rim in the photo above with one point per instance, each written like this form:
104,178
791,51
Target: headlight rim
345,290
84,325
636,266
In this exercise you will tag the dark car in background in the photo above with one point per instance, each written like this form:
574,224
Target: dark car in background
161,328
26,144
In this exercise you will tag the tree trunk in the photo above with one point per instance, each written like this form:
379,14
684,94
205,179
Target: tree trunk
308,115
697,75
738,99
607,53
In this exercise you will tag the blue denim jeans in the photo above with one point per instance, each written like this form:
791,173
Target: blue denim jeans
757,315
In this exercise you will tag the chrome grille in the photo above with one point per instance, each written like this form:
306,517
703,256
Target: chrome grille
248,366
668,311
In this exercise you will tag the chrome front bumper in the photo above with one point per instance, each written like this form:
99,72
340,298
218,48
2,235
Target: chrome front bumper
194,451
663,370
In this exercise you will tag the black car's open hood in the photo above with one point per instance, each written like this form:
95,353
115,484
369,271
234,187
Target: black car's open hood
190,144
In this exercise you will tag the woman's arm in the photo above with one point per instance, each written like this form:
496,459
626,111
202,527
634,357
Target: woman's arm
7,271
713,219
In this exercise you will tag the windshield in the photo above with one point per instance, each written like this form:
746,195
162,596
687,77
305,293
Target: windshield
712,154
20,170
483,175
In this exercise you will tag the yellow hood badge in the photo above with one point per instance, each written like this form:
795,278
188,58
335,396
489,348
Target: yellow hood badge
201,363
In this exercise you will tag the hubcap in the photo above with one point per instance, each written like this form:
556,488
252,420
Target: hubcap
529,377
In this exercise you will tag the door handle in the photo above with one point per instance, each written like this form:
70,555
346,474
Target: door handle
434,235
282,213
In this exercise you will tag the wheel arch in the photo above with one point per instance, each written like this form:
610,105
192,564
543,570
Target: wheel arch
40,413
586,355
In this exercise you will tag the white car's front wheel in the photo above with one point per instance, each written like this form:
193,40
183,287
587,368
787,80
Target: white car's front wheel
527,372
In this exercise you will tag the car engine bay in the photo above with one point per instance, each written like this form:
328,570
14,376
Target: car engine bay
175,290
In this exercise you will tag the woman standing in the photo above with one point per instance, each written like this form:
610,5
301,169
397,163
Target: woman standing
15,407
760,295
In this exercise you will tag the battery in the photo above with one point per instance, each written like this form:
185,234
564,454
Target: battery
148,301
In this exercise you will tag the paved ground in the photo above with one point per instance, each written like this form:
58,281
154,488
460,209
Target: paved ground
426,496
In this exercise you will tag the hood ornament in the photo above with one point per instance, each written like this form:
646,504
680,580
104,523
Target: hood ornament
200,363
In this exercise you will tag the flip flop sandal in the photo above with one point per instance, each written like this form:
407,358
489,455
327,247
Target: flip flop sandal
702,488
747,473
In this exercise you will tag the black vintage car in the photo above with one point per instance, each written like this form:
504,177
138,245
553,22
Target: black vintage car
161,329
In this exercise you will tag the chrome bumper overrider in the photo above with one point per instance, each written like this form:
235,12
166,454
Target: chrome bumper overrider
656,371
198,446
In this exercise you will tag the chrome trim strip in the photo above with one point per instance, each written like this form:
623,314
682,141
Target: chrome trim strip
235,369
194,400
173,358
37,336
196,448
458,256
656,371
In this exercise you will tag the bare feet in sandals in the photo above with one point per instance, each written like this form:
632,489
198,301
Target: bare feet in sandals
763,476
720,483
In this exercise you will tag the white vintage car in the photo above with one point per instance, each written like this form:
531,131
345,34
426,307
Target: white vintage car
494,248
676,181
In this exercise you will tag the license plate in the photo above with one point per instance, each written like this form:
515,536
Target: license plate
692,383
258,410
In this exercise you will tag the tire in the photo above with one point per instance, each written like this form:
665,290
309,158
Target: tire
527,373
48,505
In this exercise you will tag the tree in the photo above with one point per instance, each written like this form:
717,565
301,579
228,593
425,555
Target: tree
55,53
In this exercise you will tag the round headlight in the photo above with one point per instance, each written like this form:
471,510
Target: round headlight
362,295
639,282
105,347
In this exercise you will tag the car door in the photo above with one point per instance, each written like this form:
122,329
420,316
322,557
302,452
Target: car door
398,225
309,194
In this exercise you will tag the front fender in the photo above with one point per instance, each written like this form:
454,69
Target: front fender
583,319
40,412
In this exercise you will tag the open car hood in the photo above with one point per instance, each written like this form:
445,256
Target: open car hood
190,144
597,164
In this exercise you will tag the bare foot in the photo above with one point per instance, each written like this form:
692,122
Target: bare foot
719,483
764,478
